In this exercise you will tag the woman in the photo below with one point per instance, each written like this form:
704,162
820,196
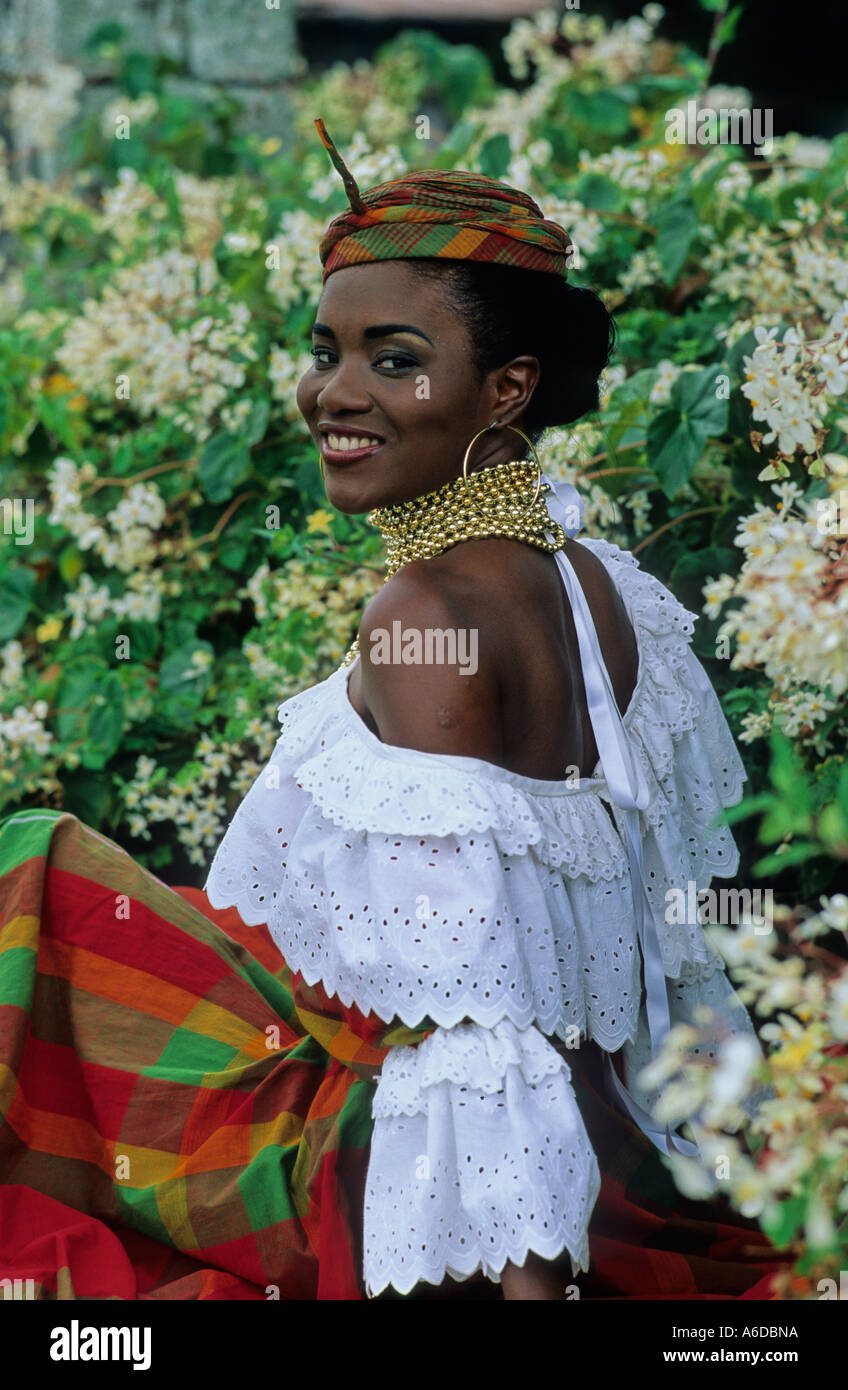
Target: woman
455,885
449,855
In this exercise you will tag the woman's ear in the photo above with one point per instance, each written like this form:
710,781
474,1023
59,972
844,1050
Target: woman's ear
513,385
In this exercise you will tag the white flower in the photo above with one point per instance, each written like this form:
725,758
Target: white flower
39,109
716,593
750,1188
241,241
835,912
667,374
738,1058
691,1178
833,374
810,153
820,1227
838,1016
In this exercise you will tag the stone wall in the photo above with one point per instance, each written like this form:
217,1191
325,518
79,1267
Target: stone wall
244,46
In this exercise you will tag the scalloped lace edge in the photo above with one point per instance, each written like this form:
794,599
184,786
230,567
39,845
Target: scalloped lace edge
493,1268
460,1057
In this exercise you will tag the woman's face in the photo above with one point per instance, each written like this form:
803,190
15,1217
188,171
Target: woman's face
393,398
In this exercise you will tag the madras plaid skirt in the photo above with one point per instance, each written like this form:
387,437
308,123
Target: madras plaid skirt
182,1117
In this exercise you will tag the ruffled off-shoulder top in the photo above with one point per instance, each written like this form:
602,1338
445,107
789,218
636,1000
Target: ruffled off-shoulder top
501,908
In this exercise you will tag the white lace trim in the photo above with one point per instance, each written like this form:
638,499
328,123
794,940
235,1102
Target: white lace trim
478,1155
361,784
466,1055
446,927
415,884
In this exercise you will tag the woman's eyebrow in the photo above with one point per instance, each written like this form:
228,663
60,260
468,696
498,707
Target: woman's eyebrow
378,330
386,330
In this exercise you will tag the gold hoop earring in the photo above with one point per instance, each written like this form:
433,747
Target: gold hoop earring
499,424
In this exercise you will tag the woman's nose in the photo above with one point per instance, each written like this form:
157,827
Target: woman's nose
344,389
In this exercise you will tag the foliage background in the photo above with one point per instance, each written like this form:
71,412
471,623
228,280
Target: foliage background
185,576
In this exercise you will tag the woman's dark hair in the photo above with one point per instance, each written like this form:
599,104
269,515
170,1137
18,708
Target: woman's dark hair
509,311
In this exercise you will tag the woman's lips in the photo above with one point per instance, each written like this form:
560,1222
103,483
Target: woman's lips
354,451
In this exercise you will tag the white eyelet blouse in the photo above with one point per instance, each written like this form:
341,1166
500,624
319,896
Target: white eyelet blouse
502,907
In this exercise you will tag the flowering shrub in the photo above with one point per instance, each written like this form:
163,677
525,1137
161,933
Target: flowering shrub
788,1165
171,573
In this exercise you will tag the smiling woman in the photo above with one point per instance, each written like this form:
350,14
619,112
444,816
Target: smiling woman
425,1074
481,854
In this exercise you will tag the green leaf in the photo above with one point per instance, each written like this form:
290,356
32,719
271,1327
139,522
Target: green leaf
105,36
495,156
87,795
692,571
678,434
598,191
232,555
787,769
139,73
223,465
751,806
787,859
179,672
90,701
144,638
451,153
465,77
257,422
15,598
602,111
728,26
673,450
105,723
833,826
74,696
54,415
677,224
635,388
783,1225
71,564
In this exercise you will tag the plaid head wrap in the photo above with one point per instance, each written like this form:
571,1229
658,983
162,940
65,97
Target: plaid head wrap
447,214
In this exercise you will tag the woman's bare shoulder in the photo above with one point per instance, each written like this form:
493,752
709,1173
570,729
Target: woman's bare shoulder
428,670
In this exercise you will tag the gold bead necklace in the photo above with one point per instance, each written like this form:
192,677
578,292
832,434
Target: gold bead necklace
494,504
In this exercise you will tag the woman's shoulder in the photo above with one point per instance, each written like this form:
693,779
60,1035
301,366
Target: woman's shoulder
438,643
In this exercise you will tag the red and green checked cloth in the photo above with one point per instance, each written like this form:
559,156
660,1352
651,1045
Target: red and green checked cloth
436,214
183,1118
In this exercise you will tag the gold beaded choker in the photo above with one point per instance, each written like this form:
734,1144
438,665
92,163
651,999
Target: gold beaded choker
496,502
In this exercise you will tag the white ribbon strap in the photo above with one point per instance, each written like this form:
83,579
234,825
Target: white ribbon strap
628,790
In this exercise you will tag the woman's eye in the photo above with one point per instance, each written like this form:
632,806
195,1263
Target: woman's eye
394,361
391,361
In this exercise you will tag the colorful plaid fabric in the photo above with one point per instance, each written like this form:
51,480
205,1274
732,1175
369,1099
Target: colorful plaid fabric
181,1117
169,1081
446,215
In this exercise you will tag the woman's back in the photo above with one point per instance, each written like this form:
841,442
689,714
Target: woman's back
512,597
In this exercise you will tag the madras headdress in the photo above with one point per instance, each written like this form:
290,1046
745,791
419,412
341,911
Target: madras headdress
445,214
